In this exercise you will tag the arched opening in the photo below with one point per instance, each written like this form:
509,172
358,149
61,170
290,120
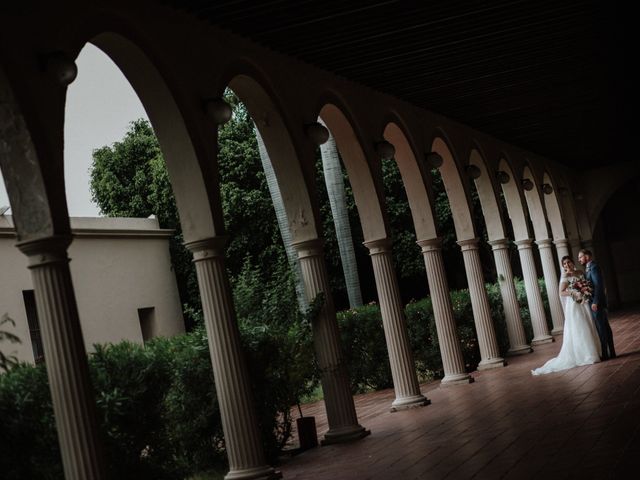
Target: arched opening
368,199
617,246
489,219
548,258
466,233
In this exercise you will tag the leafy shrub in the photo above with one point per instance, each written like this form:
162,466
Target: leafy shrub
28,440
365,349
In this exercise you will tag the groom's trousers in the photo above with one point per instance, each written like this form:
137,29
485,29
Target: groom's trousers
601,319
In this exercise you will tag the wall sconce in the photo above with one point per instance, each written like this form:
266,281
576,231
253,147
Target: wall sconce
317,133
60,67
547,189
503,177
385,150
527,184
434,159
473,171
218,111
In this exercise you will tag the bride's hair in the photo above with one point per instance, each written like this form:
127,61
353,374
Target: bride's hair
564,259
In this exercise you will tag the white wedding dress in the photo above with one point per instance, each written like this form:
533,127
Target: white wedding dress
580,342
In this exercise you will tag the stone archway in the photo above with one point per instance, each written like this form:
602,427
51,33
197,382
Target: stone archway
550,264
515,207
415,184
466,235
491,210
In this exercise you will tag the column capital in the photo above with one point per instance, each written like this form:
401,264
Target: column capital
430,244
561,242
499,244
524,244
207,247
469,244
309,248
376,247
43,251
544,243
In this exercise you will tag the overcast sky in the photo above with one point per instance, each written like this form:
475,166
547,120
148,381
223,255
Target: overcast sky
100,105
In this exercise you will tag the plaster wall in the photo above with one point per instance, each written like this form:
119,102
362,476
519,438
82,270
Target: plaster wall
117,266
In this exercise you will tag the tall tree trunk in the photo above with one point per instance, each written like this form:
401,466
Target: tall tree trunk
283,221
337,198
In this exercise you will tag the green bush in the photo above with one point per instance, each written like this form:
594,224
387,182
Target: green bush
28,440
157,406
365,349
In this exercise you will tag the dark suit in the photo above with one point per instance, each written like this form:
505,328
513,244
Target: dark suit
600,318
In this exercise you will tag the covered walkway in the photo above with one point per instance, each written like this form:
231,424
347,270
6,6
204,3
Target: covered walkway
581,423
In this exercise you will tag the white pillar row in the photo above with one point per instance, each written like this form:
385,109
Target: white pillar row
549,268
239,422
534,298
562,248
450,350
517,338
66,358
403,368
341,410
489,353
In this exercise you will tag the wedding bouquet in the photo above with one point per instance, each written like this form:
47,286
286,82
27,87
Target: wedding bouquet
581,289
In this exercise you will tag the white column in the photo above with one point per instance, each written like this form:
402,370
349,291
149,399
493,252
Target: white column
534,298
549,267
562,248
65,358
517,338
341,411
450,351
239,424
489,353
403,368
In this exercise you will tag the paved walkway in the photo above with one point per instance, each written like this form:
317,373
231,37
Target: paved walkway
582,423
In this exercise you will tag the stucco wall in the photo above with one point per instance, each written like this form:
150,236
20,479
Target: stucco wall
117,267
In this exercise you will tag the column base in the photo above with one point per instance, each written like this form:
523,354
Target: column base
406,403
519,350
258,473
344,434
492,363
542,340
557,331
456,379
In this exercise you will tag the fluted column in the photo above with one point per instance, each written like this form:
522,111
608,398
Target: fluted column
549,268
65,358
239,423
534,298
489,353
341,410
403,368
450,351
515,329
562,248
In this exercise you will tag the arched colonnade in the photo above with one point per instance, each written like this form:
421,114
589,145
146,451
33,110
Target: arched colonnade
180,79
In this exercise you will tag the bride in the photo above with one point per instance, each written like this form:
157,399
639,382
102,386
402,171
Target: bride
580,343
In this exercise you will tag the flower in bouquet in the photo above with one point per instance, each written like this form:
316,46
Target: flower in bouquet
581,289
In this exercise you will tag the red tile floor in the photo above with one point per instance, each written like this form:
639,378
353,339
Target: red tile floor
581,423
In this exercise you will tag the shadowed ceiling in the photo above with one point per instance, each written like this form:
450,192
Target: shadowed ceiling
548,76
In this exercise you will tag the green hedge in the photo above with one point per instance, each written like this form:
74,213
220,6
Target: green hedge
157,406
365,347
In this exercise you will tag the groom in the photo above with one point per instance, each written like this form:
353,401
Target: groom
598,304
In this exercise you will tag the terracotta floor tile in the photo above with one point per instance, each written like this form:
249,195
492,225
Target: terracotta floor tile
579,423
